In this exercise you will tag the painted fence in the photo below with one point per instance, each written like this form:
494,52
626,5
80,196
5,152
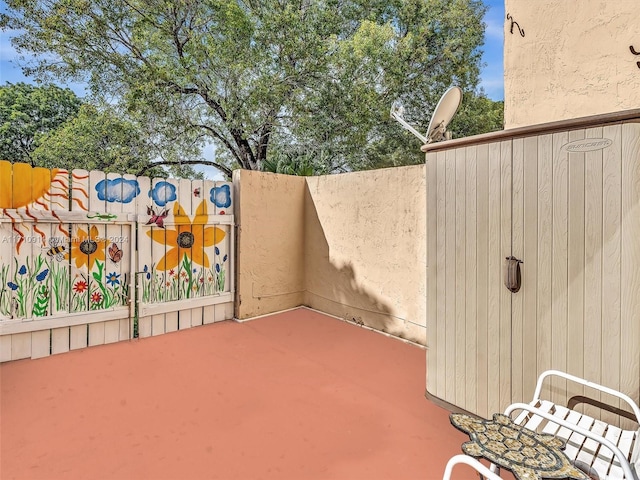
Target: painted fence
88,258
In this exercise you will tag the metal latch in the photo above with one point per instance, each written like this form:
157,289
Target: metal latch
512,277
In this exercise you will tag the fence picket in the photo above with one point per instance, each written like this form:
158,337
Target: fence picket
7,241
145,269
59,246
43,253
161,194
224,206
208,272
185,264
60,253
100,191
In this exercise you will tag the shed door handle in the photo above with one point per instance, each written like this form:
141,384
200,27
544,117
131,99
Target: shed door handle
512,277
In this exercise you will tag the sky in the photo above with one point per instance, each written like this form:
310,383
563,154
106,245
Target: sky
492,80
492,74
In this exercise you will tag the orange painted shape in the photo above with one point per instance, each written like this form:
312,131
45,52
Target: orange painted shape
22,192
25,186
82,258
202,237
6,185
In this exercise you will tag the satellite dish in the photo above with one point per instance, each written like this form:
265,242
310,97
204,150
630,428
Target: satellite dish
442,115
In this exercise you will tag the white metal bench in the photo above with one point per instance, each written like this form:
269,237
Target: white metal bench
473,463
593,445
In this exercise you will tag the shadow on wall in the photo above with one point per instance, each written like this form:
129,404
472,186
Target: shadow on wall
334,287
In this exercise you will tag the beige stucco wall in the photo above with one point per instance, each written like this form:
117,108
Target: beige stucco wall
270,242
350,245
573,61
365,255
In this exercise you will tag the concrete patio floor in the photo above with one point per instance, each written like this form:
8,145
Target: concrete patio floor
297,395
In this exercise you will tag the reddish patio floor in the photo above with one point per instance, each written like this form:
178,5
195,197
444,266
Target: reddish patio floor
297,395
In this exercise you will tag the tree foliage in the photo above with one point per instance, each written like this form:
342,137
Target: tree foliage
251,75
103,139
95,140
477,114
51,127
295,161
28,113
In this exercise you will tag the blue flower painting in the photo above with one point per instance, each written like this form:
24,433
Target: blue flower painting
221,196
113,279
118,190
163,193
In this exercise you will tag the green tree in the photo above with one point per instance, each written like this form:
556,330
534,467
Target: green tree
477,114
294,161
101,139
314,74
28,113
94,140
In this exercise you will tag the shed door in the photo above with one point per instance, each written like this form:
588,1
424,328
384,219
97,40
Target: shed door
570,209
576,201
469,222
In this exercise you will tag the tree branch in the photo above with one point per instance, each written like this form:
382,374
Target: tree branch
226,170
226,142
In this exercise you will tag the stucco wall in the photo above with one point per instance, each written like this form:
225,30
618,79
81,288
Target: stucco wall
365,248
574,59
270,261
350,245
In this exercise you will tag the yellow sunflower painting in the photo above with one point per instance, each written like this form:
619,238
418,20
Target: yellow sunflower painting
86,248
188,238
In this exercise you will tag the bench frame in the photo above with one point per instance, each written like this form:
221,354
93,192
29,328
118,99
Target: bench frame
532,416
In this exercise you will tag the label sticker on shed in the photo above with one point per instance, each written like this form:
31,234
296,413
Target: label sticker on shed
587,145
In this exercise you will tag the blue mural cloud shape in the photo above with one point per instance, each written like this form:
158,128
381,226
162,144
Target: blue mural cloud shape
118,190
221,196
163,193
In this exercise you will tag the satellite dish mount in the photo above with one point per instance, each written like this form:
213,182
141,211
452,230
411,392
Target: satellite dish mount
442,115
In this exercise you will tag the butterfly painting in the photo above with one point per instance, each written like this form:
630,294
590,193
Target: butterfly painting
157,219
115,253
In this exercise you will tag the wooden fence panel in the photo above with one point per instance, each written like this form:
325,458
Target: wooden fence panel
208,279
190,252
69,263
147,283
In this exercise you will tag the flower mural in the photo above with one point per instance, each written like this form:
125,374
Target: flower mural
42,275
163,193
27,294
221,196
88,247
113,279
83,269
188,239
80,286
